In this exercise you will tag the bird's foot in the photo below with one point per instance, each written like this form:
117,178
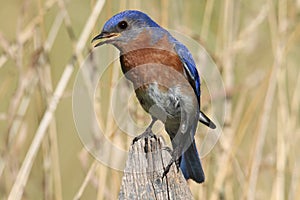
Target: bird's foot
175,160
167,169
148,133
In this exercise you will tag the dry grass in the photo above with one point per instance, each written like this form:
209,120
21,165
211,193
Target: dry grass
256,45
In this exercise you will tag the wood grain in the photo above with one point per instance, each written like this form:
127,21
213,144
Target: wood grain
142,177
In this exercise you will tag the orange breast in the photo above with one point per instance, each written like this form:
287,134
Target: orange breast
149,65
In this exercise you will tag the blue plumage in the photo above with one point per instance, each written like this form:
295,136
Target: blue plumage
188,166
140,20
190,66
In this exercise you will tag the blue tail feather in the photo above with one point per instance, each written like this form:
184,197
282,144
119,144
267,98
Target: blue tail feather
190,165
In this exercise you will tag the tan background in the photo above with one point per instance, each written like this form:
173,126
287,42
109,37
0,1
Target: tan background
255,44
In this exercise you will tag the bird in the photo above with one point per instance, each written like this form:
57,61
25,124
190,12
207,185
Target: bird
166,83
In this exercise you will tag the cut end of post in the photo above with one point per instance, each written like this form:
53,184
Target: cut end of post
144,169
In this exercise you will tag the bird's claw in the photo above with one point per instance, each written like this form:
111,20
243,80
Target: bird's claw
174,159
148,133
166,171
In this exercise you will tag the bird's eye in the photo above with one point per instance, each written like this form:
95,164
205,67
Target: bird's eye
122,25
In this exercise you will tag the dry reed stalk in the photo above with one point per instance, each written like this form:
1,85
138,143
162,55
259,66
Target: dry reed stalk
292,192
270,95
262,133
115,184
228,189
86,180
295,105
293,37
24,35
243,38
109,127
32,80
293,135
102,176
22,177
30,85
228,59
229,149
53,32
207,19
47,186
21,99
90,24
47,90
69,27
282,117
294,130
246,116
282,112
240,175
54,153
89,80
102,171
5,44
3,59
165,13
2,165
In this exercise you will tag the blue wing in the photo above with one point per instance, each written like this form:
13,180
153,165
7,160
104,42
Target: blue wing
192,76
189,66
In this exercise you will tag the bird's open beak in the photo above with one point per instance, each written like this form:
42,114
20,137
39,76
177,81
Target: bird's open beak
104,38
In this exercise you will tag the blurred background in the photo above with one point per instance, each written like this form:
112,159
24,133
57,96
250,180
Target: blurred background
255,44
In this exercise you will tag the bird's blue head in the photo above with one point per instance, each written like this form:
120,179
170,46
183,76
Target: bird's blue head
123,26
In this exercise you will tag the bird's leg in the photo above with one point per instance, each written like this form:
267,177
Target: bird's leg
176,157
147,133
149,128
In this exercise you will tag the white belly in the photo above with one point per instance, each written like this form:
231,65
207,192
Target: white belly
161,104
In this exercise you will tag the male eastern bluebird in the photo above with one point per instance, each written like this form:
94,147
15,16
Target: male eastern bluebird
166,82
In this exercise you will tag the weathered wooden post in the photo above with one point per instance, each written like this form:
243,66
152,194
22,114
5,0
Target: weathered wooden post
143,173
